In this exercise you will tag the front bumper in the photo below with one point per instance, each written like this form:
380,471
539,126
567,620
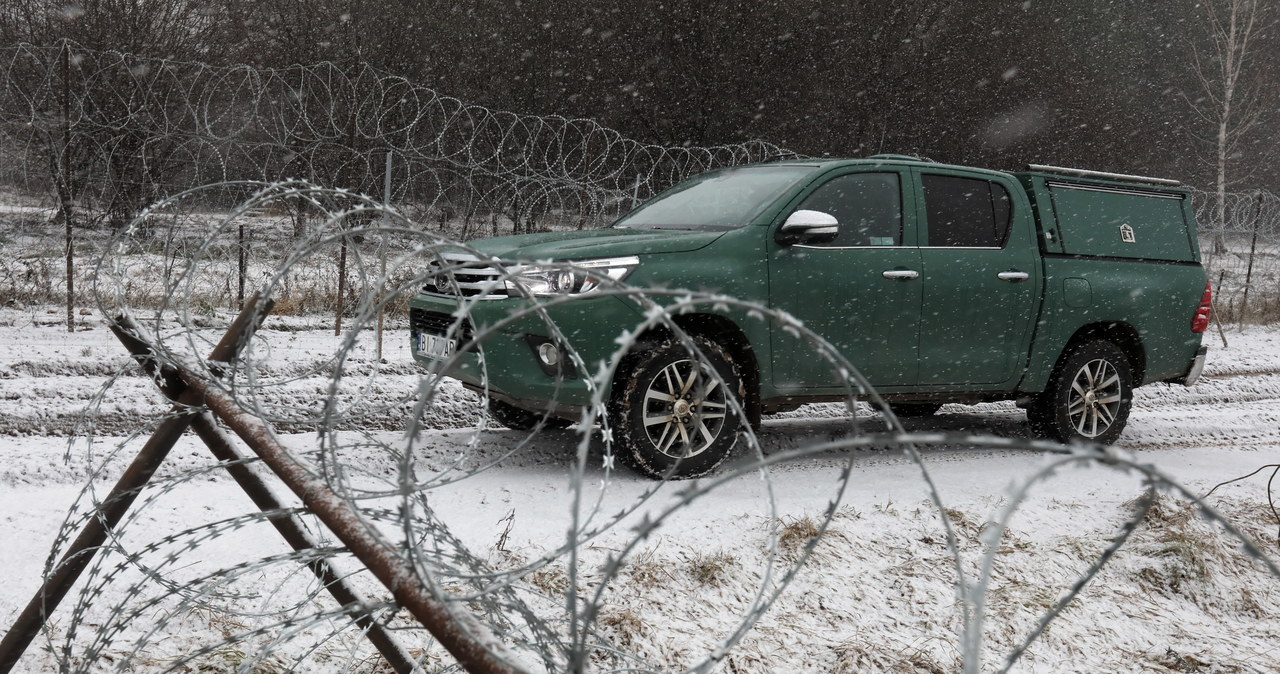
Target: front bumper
497,354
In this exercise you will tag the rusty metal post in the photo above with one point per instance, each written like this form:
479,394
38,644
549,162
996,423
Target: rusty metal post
1253,249
77,558
289,527
295,534
109,513
466,639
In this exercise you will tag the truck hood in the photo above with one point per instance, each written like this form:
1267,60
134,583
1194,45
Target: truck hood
582,245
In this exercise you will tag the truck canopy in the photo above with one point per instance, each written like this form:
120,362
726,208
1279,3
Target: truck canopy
1115,216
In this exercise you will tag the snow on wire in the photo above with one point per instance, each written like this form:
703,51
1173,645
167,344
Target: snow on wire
551,612
130,129
97,135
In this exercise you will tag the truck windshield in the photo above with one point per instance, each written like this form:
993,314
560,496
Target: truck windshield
716,201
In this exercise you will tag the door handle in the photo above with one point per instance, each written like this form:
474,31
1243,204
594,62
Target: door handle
1013,276
901,274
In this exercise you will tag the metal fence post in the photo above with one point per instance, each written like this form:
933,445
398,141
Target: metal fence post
109,513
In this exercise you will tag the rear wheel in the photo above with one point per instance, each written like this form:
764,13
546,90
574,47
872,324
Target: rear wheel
671,416
1088,397
518,419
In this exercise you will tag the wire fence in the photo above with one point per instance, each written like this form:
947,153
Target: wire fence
89,138
1242,257
113,132
382,498
1240,243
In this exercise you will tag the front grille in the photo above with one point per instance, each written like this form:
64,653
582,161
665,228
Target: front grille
460,275
439,323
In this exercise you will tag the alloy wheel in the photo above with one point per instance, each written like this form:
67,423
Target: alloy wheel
684,409
1094,400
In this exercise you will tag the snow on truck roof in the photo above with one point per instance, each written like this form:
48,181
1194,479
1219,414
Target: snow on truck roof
1084,173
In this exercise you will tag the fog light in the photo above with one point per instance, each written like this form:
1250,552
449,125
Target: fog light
549,354
550,357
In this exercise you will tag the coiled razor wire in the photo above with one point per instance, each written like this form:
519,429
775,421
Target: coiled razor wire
156,576
1240,245
1243,213
99,134
128,129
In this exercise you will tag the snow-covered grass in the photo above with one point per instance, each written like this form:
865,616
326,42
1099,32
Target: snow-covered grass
1245,265
877,594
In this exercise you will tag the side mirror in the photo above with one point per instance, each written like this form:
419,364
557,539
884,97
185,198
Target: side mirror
808,227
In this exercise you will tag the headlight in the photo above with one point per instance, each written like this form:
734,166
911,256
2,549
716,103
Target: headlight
569,278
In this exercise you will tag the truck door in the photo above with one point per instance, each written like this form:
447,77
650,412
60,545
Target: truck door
861,291
980,279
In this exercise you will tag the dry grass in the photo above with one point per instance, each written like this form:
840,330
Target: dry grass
712,568
623,626
969,530
374,663
855,657
796,533
236,660
1181,549
552,580
964,526
1174,661
648,572
226,624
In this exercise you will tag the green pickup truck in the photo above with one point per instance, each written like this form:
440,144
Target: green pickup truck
1061,289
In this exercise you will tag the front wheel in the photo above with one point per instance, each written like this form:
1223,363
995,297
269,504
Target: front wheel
671,414
1088,397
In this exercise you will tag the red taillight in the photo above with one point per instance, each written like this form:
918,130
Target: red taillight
1200,321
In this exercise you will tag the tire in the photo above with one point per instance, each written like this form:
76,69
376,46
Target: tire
910,410
1088,397
518,419
691,428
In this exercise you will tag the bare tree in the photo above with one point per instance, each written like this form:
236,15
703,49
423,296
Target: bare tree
103,119
1229,103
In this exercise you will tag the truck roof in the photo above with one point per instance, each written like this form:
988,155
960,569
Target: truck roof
877,160
1039,170
1100,175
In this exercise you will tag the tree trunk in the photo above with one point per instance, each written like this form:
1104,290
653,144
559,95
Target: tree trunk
1220,218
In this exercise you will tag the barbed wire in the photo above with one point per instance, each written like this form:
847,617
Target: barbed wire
103,133
387,475
121,130
1240,245
118,131
1243,213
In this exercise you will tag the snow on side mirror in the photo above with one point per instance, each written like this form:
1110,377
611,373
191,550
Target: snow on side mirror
808,227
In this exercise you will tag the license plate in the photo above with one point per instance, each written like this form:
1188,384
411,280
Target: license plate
435,346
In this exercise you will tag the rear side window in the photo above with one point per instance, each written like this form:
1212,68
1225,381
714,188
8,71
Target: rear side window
868,207
966,212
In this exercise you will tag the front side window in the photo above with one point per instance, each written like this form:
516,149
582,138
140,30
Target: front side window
868,207
966,212
719,200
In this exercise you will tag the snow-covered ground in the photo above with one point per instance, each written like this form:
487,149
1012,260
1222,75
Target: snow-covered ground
878,594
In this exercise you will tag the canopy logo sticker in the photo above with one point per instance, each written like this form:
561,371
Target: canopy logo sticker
1126,234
